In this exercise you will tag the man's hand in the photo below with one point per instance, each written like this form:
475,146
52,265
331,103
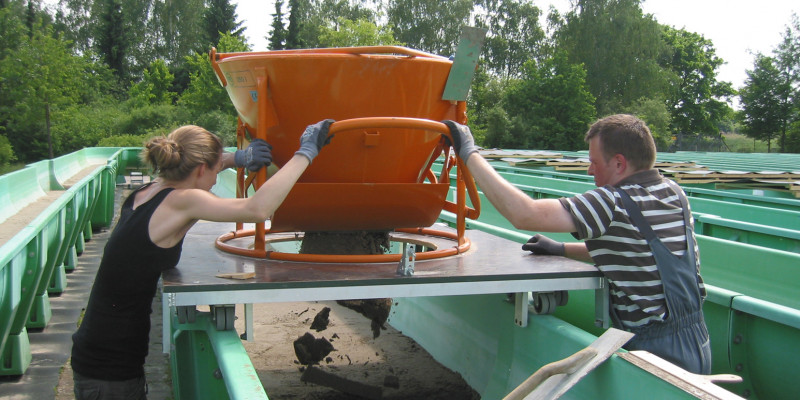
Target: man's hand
314,138
463,143
544,246
257,155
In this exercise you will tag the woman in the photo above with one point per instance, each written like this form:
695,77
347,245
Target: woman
110,346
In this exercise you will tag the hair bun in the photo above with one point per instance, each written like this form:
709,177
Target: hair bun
164,153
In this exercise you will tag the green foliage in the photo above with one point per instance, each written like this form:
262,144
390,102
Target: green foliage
429,25
618,45
550,107
221,123
219,18
7,155
205,93
154,88
301,25
113,40
483,102
497,128
139,121
763,113
12,31
277,36
514,35
173,30
787,60
793,138
654,112
309,18
694,97
738,143
41,76
84,125
356,33
123,141
57,91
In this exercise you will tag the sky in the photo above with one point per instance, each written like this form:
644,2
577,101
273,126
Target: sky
738,28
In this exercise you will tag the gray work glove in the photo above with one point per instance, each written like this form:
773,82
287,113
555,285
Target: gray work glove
544,246
257,155
314,137
463,143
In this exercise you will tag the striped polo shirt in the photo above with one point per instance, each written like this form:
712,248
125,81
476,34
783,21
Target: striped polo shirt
621,252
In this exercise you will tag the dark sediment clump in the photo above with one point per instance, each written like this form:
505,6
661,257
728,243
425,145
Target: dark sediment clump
346,242
377,310
310,350
321,320
354,242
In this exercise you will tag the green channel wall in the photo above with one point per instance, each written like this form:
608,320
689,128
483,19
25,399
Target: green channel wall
34,262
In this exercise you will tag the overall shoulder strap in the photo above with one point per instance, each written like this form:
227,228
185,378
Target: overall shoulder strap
684,202
635,213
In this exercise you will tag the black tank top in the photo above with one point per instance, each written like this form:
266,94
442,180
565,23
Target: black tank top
112,341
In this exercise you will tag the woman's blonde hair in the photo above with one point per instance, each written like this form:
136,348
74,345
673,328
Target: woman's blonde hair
175,156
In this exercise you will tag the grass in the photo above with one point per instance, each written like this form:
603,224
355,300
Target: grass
738,143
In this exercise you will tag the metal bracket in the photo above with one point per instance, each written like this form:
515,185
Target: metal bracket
538,303
406,265
521,301
602,306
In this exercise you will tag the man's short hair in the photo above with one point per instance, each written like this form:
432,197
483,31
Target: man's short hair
627,135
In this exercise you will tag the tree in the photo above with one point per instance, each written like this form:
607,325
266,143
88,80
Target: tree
654,112
74,22
277,37
42,77
429,25
154,88
309,18
550,107
514,35
356,33
174,30
204,93
761,101
787,61
694,95
220,17
296,14
112,39
619,47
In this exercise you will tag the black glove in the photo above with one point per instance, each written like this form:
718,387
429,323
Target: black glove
463,143
314,137
544,246
258,154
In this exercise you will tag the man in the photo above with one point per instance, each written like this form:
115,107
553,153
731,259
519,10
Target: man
656,290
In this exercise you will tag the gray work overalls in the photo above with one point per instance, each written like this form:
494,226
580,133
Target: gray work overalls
682,338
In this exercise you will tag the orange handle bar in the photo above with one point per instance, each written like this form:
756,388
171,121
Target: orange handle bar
422,124
390,122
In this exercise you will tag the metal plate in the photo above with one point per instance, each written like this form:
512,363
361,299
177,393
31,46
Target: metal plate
492,265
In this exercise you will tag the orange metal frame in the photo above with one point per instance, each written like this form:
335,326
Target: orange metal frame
424,141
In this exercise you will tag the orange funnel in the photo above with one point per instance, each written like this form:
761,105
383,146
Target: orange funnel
387,101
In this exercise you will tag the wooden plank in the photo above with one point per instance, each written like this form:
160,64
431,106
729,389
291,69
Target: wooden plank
700,386
558,384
